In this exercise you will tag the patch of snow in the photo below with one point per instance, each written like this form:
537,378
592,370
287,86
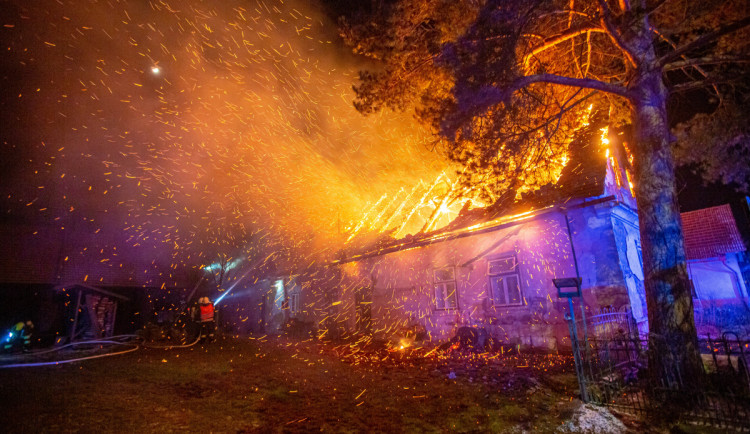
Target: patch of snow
590,419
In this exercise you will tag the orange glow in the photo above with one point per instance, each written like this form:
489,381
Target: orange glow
424,208
429,207
605,136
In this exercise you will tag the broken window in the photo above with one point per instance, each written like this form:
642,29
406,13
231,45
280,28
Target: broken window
505,283
445,288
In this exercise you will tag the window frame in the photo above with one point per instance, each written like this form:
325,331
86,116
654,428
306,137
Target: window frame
516,272
444,282
294,303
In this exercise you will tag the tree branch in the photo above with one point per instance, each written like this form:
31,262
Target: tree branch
709,81
606,19
588,54
549,43
704,40
705,61
651,9
549,119
474,101
696,67
587,83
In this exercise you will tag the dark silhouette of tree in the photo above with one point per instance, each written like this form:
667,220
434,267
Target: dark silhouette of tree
717,145
507,82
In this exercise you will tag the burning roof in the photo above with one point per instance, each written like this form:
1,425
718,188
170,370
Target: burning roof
385,225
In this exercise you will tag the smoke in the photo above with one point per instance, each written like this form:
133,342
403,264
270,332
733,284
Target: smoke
197,127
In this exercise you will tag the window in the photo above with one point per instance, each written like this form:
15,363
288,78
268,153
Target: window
294,306
505,283
634,256
279,294
445,289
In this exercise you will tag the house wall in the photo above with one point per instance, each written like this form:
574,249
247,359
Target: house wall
274,313
721,302
627,239
597,246
717,279
322,305
402,287
241,311
256,308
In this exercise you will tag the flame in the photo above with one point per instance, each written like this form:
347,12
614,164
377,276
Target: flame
424,208
605,140
615,164
405,343
605,136
429,207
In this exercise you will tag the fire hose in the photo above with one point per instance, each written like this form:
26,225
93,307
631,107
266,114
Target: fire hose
111,341
134,346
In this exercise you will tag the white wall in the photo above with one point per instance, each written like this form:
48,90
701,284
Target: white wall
717,278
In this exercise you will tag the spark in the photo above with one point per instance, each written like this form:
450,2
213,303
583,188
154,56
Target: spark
248,142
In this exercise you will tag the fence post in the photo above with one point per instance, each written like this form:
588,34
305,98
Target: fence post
576,351
569,287
585,328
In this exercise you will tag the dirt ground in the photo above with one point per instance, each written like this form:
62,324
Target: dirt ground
278,385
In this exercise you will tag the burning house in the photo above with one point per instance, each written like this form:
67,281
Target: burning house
492,268
488,267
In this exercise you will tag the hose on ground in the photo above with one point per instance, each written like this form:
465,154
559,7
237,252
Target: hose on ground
77,359
111,341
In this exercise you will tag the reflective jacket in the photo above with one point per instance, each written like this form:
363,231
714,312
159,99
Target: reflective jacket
206,312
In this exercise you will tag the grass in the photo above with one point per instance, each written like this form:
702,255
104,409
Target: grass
278,386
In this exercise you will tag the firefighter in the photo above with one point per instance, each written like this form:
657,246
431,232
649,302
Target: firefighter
28,330
206,316
19,336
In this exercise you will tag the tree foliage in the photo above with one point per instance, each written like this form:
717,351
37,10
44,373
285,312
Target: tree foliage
448,62
717,145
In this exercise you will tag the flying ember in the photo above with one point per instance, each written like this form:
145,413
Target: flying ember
241,137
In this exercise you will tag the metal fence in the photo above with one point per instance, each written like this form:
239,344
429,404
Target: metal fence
609,323
614,371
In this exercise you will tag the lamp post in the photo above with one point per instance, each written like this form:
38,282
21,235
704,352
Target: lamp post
569,287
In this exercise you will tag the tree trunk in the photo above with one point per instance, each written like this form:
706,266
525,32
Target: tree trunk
672,333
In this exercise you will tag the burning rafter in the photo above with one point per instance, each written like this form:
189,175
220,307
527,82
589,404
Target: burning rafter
439,202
